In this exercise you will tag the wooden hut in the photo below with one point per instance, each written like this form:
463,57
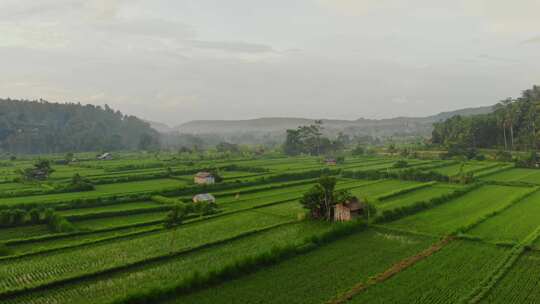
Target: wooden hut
348,210
204,178
204,197
330,161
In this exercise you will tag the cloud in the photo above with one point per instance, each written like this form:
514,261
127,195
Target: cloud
96,9
103,9
496,58
361,7
533,40
157,28
232,46
502,16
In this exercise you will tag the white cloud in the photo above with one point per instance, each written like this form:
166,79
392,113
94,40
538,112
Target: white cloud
174,61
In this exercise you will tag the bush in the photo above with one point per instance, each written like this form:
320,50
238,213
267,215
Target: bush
530,161
480,157
400,164
358,150
164,200
4,250
59,224
502,155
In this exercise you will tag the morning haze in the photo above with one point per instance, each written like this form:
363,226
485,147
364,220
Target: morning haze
177,61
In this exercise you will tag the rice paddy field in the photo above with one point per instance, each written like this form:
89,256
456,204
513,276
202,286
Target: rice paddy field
425,241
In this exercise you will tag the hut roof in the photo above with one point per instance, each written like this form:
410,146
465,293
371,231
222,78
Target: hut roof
203,174
204,197
353,204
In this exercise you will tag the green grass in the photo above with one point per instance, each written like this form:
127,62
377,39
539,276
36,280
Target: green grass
469,166
513,224
291,209
317,276
124,220
110,208
521,284
371,191
35,270
517,175
313,277
22,232
460,212
101,190
441,278
10,187
423,194
173,270
72,240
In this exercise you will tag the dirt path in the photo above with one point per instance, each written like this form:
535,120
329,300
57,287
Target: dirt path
390,272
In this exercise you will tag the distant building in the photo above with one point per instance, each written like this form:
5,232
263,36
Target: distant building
40,174
204,197
331,161
204,178
105,156
348,210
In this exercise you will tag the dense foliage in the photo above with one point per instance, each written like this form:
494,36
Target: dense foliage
40,171
43,127
309,140
322,197
513,125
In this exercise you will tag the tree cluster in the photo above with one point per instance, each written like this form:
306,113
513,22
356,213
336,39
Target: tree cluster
19,217
309,140
41,127
40,171
322,197
512,126
179,211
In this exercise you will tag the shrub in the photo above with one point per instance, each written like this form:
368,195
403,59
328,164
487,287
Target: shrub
480,157
400,164
4,250
59,224
502,155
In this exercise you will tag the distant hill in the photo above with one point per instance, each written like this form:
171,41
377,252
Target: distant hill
44,127
160,127
372,127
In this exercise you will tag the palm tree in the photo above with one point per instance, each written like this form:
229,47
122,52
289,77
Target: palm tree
500,113
510,113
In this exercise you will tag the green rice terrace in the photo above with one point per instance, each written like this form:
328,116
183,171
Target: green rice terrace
143,228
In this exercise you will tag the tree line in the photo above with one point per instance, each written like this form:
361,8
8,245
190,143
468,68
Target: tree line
310,140
31,127
511,126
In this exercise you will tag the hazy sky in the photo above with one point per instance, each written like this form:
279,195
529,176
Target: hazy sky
178,60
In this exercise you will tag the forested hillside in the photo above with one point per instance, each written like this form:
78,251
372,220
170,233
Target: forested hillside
44,127
513,125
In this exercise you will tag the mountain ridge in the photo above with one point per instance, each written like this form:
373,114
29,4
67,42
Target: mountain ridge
420,125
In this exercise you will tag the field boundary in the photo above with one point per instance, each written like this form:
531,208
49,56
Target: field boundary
390,272
15,292
498,273
243,266
388,195
502,168
419,206
134,234
487,216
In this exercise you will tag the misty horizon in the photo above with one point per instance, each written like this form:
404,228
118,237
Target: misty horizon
177,61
